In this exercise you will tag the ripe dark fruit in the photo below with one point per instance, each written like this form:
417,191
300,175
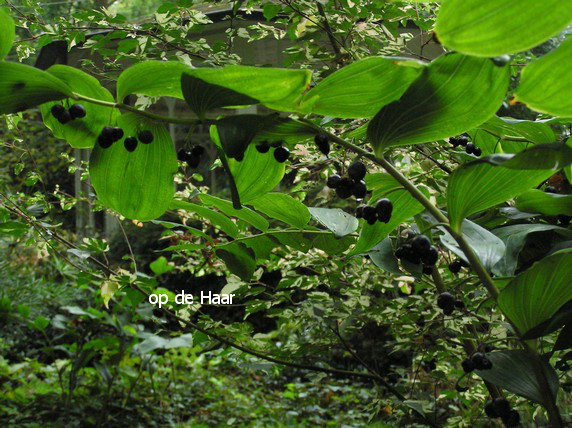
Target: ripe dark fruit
427,270
357,171
238,158
359,211
489,410
281,154
486,364
431,256
321,141
333,181
77,111
263,147
58,110
116,134
445,300
421,243
344,188
384,207
468,366
512,419
501,61
470,148
463,141
104,142
501,406
454,141
107,132
481,362
192,161
145,137
182,155
369,214
428,366
198,151
130,144
64,118
359,189
459,304
477,151
455,266
448,310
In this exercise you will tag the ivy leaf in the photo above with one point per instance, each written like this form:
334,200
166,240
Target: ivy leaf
545,83
139,184
454,93
360,89
536,294
23,87
283,207
336,220
537,201
202,96
494,28
7,34
513,370
80,133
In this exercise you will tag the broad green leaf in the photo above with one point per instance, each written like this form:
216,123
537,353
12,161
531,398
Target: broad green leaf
80,133
277,88
257,174
244,213
494,28
237,132
283,207
514,238
202,96
330,244
7,33
262,245
488,248
138,185
152,78
545,84
538,293
506,127
312,237
455,93
383,256
477,185
360,89
336,220
551,156
285,129
537,201
239,259
23,87
381,183
160,266
217,219
404,207
513,370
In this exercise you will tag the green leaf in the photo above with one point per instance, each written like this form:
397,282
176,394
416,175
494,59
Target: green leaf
245,214
41,323
138,185
285,129
7,34
217,219
551,156
23,87
383,256
545,84
283,207
488,247
404,207
257,174
506,127
494,28
538,293
335,219
514,238
360,89
454,93
537,201
239,259
513,370
237,132
80,133
277,88
152,78
202,96
160,266
478,185
262,245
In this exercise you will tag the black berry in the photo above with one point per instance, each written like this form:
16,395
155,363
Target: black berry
64,118
145,137
182,155
384,207
489,410
281,154
468,366
238,158
357,171
359,189
107,132
77,111
486,364
455,266
321,141
477,151
58,110
104,142
445,300
197,151
427,270
421,243
333,181
369,214
512,419
501,406
431,256
463,141
454,141
116,134
459,304
263,147
344,189
428,366
359,211
481,362
470,148
130,144
193,161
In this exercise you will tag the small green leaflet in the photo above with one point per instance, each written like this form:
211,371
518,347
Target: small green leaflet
7,33
283,207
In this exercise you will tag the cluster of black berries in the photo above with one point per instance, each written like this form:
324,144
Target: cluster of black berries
76,111
447,302
323,143
463,141
110,135
477,361
456,265
380,212
500,408
281,153
419,250
191,157
351,184
429,365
